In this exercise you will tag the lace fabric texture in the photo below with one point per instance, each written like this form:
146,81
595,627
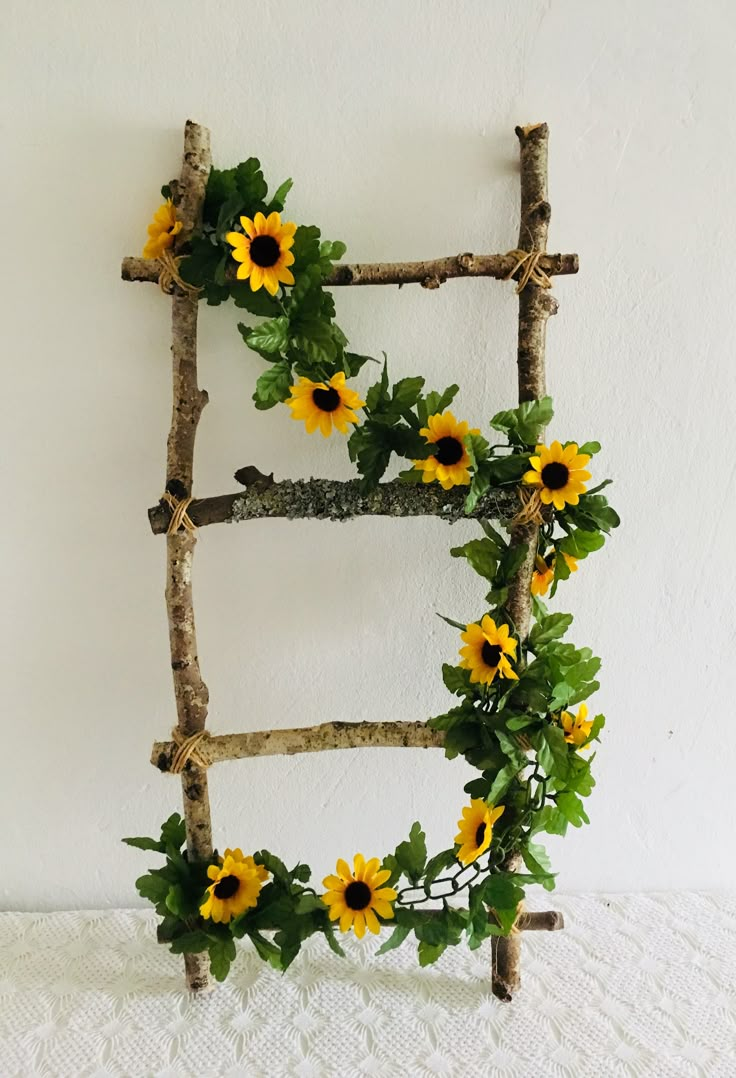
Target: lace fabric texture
641,985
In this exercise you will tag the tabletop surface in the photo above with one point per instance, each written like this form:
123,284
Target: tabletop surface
635,985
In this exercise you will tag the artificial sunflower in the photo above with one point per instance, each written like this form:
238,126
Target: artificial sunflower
476,829
237,855
449,464
235,889
559,473
356,897
162,230
577,727
544,571
263,251
485,651
325,404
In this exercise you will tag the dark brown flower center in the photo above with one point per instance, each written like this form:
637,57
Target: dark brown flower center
555,475
480,834
264,251
357,895
449,450
491,654
327,400
227,887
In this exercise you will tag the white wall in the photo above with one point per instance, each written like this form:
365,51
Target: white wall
396,121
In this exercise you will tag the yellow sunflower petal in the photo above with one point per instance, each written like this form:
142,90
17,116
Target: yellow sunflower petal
371,922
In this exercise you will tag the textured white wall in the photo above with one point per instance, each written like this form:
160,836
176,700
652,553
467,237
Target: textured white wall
396,121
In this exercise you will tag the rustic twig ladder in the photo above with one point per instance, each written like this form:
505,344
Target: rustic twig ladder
189,752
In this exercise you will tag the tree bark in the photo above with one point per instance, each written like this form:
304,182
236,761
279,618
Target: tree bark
328,499
536,305
188,401
328,735
429,274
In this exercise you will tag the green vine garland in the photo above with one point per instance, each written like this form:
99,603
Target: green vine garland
511,723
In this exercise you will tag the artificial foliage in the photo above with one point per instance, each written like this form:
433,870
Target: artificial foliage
519,715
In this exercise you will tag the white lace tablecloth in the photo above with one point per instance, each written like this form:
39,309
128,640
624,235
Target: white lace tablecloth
635,985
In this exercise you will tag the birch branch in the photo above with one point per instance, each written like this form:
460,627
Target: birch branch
326,736
190,690
328,499
429,274
536,305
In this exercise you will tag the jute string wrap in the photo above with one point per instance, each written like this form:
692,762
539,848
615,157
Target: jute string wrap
531,272
169,275
531,507
179,515
189,748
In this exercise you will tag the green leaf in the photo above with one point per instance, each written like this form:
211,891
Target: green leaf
378,393
176,901
395,940
593,511
552,751
548,629
166,191
437,864
274,865
250,184
154,888
259,303
199,266
352,362
451,717
511,750
273,385
265,949
537,861
308,904
269,337
598,723
329,934
174,832
146,843
502,471
222,954
301,873
190,943
306,248
523,425
411,856
477,448
333,250
430,952
278,198
571,807
451,621
435,403
370,446
479,485
579,543
481,554
457,680
504,777
405,393
551,820
591,448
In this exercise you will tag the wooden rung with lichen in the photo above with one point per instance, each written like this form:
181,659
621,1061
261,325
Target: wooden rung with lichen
330,500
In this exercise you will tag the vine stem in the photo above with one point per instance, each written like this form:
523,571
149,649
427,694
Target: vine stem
189,400
536,305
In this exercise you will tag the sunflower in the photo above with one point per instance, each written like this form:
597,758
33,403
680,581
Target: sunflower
237,855
162,230
356,897
449,465
476,829
544,571
325,404
235,889
577,727
263,252
559,473
486,650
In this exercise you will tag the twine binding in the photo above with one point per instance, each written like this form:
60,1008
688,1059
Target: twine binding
531,272
179,515
531,507
169,276
188,748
